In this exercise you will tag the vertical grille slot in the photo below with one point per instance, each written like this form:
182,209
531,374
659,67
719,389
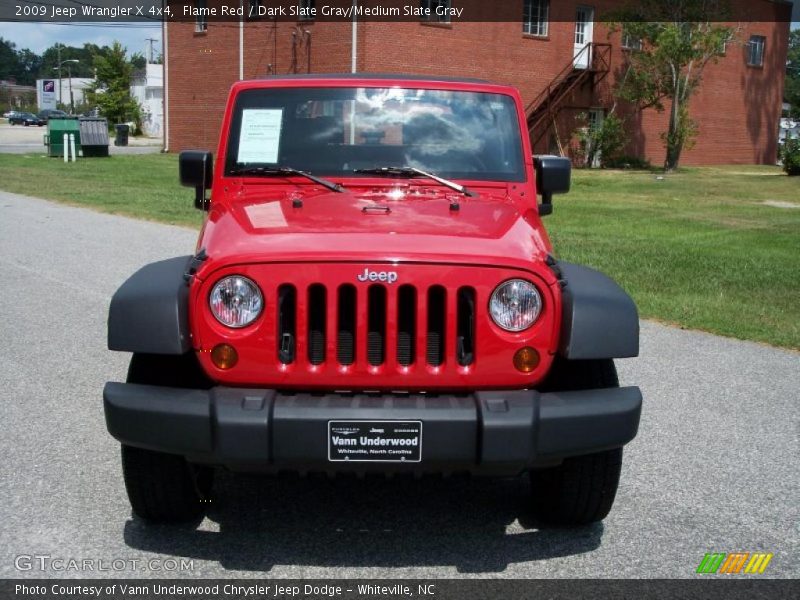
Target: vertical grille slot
436,325
287,319
376,325
465,336
346,325
316,324
406,324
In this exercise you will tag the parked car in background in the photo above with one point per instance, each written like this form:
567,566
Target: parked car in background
26,119
8,113
52,112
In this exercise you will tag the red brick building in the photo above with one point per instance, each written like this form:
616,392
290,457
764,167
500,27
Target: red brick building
539,46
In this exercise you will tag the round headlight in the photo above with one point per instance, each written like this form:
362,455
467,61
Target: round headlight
515,305
236,301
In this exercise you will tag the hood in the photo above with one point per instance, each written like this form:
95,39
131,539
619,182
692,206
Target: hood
373,224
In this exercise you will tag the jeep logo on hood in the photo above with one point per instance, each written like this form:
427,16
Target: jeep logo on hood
387,276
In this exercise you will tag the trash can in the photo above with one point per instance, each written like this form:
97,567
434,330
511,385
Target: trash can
54,138
122,135
94,136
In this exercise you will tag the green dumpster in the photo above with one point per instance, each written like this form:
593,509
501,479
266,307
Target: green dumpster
54,138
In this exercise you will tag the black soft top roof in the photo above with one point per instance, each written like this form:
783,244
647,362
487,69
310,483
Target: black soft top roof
401,77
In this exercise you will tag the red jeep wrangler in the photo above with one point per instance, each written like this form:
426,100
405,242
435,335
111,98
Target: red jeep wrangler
373,291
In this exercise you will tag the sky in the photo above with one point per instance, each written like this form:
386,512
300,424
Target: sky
40,36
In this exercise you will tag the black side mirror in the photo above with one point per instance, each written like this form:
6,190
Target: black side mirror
196,169
553,176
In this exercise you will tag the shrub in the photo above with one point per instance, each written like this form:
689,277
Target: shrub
605,140
790,156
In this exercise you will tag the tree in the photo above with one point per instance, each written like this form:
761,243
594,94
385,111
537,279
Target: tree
792,91
20,65
29,65
9,62
111,91
83,68
678,39
138,61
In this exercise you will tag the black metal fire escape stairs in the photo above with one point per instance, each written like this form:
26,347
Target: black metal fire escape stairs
543,110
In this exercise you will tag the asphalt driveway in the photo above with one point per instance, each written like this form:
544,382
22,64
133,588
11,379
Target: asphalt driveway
714,468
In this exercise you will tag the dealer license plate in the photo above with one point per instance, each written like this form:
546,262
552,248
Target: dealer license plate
375,441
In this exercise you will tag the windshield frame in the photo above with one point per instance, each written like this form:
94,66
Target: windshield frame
244,94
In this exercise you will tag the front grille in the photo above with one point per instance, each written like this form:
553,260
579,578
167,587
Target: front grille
436,325
406,324
287,315
377,324
317,313
346,329
465,334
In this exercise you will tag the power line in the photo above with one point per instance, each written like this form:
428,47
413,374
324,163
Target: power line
82,24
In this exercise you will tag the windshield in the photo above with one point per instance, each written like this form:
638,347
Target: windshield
336,131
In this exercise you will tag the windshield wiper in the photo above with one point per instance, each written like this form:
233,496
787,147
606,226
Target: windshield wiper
413,172
268,171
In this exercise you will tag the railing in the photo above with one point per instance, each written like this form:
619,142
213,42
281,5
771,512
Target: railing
546,105
560,77
601,59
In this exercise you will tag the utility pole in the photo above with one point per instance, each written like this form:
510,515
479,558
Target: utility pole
150,56
71,101
67,61
58,48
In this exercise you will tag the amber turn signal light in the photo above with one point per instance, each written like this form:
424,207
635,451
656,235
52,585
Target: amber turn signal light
526,359
224,356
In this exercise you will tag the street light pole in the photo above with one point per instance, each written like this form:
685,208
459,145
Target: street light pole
69,73
71,101
58,47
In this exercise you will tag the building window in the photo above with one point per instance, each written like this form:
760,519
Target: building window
535,14
305,11
630,41
755,50
201,20
432,6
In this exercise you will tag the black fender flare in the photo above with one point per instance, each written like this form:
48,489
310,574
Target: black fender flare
598,318
149,312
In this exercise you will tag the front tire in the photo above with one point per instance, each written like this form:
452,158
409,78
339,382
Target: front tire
581,490
165,487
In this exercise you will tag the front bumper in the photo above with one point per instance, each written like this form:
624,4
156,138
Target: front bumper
487,432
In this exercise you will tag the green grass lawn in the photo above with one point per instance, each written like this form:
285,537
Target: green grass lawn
144,186
698,248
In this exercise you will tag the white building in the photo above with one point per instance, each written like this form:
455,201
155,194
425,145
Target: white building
148,88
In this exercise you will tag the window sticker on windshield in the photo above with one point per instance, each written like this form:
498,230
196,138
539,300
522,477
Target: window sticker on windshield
260,135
